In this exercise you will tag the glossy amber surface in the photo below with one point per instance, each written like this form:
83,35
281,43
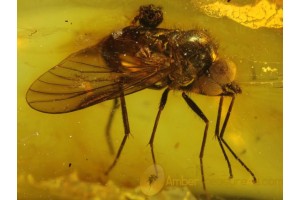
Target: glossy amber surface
64,156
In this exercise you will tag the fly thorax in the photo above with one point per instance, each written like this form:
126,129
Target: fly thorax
194,53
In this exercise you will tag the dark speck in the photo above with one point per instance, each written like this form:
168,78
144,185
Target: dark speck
243,152
258,138
35,31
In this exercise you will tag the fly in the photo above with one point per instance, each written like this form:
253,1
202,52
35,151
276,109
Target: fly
142,56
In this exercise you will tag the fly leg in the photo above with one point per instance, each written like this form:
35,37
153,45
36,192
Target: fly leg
162,104
108,126
225,143
126,129
217,134
197,110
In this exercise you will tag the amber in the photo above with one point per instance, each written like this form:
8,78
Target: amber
64,156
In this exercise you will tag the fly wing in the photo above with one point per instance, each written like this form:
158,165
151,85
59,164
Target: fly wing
84,79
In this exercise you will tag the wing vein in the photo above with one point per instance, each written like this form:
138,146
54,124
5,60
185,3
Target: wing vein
82,63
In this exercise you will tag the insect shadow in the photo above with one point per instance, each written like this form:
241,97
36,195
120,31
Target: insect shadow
142,56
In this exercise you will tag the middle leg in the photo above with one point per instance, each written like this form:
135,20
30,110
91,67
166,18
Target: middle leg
197,110
162,104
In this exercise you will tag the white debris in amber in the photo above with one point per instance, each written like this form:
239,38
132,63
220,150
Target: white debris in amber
269,69
85,85
70,186
262,14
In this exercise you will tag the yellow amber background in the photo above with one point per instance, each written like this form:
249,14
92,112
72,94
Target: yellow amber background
248,32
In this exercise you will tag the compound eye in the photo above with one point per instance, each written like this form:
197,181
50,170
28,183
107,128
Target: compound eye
223,71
